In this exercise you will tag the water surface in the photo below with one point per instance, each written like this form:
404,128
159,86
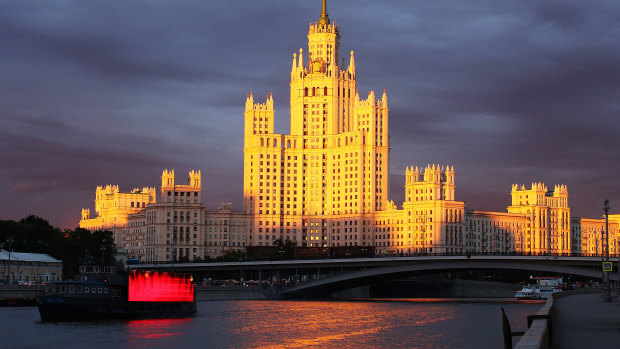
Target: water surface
282,324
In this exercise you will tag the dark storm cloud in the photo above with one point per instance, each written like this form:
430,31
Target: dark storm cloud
97,92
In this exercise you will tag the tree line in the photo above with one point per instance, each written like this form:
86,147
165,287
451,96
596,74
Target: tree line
73,246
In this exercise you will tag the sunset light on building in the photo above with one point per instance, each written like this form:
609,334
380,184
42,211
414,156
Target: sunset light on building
326,185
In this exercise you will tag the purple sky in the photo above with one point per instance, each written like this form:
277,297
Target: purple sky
113,92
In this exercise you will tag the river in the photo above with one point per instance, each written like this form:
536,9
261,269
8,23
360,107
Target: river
283,324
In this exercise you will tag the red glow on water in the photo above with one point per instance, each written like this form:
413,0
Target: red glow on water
155,329
159,287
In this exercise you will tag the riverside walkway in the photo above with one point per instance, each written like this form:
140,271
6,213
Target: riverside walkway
585,321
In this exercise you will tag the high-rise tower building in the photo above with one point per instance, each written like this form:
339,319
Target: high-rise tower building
333,166
326,185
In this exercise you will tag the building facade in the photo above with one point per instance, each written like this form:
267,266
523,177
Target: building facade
177,227
114,207
36,267
332,168
326,185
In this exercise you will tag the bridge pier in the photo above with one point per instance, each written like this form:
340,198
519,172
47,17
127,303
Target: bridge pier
356,292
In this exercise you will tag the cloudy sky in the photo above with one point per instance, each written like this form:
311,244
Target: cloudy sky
113,92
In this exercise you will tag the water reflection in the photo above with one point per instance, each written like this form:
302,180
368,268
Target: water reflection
284,324
154,329
331,324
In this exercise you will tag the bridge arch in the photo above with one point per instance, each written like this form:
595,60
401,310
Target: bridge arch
372,275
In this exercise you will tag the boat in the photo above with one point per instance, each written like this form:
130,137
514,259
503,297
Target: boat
99,293
543,288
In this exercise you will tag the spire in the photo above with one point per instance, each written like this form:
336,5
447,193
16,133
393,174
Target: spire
249,101
352,64
301,58
324,20
384,99
294,61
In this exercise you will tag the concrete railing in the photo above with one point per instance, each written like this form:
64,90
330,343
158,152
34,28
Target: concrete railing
538,334
19,295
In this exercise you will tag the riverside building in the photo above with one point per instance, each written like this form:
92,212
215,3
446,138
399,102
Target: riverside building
326,185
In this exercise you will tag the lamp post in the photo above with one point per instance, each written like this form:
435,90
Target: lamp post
424,234
605,253
8,274
618,266
102,254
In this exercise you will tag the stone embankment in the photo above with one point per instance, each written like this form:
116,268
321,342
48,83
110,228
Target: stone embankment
215,293
540,334
14,295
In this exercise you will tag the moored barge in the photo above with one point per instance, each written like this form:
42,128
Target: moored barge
101,293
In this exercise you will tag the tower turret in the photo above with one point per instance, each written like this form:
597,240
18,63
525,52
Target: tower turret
195,179
351,68
167,179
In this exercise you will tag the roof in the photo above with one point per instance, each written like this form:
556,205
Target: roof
28,257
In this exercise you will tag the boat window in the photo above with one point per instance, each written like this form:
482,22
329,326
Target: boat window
62,289
105,290
79,289
86,290
71,289
100,290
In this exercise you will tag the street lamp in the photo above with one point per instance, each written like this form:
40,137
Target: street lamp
424,234
103,248
618,266
605,253
8,274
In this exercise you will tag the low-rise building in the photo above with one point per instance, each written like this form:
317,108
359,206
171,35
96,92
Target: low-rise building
20,266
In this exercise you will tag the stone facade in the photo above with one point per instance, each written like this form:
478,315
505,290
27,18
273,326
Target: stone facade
326,185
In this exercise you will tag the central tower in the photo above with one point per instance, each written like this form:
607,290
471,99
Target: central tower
333,167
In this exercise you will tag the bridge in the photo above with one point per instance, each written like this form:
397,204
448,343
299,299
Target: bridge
339,274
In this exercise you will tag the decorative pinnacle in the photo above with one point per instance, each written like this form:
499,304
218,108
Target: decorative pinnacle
324,20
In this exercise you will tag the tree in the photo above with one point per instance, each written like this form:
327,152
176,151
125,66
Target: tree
285,249
34,234
232,256
35,220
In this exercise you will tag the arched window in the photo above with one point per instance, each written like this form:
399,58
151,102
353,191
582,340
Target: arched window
314,91
262,142
325,91
306,92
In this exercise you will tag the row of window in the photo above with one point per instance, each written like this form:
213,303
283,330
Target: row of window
86,290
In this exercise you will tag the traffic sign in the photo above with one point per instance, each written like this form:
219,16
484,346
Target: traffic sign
607,266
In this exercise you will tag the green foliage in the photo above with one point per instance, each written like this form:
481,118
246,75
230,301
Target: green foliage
285,249
74,247
232,256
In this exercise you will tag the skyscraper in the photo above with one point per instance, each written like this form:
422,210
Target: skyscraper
333,167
